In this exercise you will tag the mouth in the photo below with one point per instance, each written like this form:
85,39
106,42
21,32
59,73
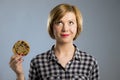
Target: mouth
64,35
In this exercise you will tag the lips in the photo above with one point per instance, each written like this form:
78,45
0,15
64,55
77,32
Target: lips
64,35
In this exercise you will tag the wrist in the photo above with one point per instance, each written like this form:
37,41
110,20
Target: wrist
20,77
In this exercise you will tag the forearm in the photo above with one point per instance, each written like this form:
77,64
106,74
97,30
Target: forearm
20,77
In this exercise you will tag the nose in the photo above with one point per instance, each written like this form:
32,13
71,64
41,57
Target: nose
65,28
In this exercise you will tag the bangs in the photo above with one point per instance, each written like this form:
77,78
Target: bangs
60,11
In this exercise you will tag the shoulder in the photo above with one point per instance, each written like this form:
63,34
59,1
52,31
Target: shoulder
87,58
83,56
40,57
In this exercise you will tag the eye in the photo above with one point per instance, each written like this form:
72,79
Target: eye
59,23
71,22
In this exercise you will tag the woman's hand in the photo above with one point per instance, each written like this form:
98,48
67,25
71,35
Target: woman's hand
16,65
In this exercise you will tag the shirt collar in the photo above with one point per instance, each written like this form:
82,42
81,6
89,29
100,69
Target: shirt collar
51,54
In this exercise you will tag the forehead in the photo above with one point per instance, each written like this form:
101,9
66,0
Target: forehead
69,16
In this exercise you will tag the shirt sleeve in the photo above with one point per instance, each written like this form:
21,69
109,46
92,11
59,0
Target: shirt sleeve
95,72
33,74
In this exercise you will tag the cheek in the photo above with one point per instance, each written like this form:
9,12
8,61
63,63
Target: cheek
55,30
74,30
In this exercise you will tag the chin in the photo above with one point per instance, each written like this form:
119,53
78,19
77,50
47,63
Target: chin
65,41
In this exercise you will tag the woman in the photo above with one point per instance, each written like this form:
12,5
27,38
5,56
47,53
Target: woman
64,61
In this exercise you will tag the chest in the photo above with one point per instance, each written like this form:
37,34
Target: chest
74,70
64,62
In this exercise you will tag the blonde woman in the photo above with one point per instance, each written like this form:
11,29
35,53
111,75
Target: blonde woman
64,61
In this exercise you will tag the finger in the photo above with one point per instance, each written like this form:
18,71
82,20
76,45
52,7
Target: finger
16,62
14,57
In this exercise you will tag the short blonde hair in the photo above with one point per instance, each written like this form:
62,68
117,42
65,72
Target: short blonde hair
58,12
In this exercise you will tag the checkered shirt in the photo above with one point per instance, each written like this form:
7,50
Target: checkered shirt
45,66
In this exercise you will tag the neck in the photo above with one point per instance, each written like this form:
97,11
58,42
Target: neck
64,49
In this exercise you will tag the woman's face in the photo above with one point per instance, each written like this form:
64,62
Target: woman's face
65,29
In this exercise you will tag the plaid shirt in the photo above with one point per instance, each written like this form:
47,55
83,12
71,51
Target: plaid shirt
45,66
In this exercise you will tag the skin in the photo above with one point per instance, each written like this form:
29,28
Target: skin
16,65
64,30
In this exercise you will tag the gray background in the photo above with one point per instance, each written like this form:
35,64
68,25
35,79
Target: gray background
27,20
